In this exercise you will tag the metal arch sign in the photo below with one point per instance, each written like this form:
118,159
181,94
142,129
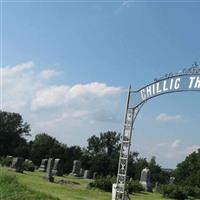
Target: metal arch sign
186,80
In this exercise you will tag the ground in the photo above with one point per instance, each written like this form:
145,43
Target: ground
36,187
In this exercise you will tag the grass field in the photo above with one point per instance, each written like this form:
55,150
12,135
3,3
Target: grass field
32,185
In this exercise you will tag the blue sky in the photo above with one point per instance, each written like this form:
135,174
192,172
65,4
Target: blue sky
66,66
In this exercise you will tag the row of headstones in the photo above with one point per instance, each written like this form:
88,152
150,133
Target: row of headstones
52,167
57,168
145,180
17,163
77,171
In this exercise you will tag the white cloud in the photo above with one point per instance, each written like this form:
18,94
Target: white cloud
50,96
99,89
26,91
81,95
161,145
18,85
82,113
173,152
176,144
190,149
11,71
165,117
48,73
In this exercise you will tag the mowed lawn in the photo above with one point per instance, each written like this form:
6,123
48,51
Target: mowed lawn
72,188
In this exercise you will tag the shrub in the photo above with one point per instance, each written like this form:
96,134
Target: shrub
103,183
28,166
135,187
180,192
7,161
192,191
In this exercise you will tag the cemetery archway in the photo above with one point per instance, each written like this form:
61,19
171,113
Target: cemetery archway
184,81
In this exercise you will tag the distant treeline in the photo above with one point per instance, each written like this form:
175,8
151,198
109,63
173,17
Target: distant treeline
101,154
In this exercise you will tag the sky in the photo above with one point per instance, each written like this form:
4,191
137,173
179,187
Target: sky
66,67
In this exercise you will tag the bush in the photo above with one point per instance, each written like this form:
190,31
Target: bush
192,191
103,183
6,161
28,166
180,192
135,187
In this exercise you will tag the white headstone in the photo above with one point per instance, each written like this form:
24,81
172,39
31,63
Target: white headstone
145,179
114,191
76,168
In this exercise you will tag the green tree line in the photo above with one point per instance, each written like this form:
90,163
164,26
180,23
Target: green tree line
101,154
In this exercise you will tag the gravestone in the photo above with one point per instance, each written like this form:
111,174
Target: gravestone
49,170
171,180
114,190
76,168
145,179
94,175
17,164
81,172
43,165
157,187
87,174
57,167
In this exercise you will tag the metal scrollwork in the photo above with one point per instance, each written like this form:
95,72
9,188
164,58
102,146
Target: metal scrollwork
195,69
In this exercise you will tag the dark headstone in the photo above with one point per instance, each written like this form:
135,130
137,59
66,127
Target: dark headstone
49,170
17,164
57,167
43,166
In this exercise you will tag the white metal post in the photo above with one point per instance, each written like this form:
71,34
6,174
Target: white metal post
121,188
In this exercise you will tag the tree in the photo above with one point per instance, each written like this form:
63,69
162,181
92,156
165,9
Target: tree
45,146
23,150
108,143
157,174
71,153
188,171
95,145
102,153
12,132
136,165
